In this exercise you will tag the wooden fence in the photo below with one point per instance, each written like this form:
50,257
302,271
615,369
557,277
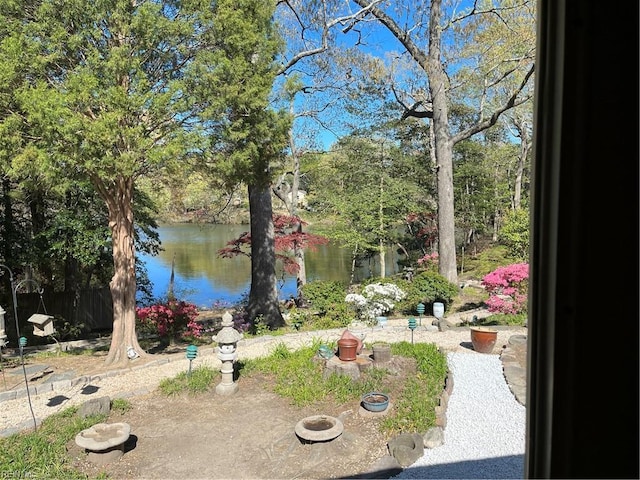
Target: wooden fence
91,308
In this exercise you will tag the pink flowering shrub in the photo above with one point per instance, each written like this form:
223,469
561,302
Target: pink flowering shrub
429,261
508,287
171,319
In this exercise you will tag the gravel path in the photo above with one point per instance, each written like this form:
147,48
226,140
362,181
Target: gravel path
485,432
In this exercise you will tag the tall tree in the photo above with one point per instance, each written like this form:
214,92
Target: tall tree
236,92
486,50
106,95
513,24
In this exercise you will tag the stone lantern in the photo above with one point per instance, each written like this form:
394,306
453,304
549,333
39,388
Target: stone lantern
227,339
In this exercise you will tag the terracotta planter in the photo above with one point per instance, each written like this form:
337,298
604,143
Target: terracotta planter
348,334
347,348
483,339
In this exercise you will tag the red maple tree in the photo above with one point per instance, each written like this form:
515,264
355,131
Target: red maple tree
289,237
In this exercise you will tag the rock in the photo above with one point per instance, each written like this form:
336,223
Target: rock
434,437
406,448
95,406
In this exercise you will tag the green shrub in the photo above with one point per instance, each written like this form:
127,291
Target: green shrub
337,315
426,287
327,308
323,296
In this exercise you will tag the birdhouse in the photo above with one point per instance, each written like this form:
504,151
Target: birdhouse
42,324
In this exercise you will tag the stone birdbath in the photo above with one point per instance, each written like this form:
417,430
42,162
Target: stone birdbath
104,442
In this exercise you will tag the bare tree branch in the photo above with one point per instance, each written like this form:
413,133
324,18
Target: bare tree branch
511,102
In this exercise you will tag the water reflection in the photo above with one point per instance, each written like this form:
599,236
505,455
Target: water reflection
202,277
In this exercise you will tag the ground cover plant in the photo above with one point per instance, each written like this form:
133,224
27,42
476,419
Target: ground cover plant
42,453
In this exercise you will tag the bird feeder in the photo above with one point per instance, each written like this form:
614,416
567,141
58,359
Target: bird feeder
42,324
227,339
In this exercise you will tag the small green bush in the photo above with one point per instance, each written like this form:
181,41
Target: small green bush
327,308
338,315
323,296
426,287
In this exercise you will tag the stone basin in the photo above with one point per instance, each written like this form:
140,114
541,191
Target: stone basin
104,441
319,428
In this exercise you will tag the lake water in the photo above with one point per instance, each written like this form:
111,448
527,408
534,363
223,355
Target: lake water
204,278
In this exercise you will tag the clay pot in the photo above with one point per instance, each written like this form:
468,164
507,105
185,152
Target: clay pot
483,339
347,334
347,348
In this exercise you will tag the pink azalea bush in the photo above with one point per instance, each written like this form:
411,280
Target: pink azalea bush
429,261
508,287
171,319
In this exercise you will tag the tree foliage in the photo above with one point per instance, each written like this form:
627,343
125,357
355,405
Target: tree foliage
111,94
369,186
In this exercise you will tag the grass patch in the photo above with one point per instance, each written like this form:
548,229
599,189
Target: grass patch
199,380
121,405
42,454
297,377
72,352
416,407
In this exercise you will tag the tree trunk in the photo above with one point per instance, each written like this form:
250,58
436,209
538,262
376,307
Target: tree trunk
381,244
525,146
444,148
354,256
119,201
170,291
301,275
263,295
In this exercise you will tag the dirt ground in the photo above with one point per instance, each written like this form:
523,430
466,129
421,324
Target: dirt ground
247,435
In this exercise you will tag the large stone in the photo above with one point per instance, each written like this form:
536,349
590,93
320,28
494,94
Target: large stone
406,448
95,406
434,437
350,368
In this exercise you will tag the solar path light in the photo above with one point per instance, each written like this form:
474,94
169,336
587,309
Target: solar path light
412,327
192,353
420,309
